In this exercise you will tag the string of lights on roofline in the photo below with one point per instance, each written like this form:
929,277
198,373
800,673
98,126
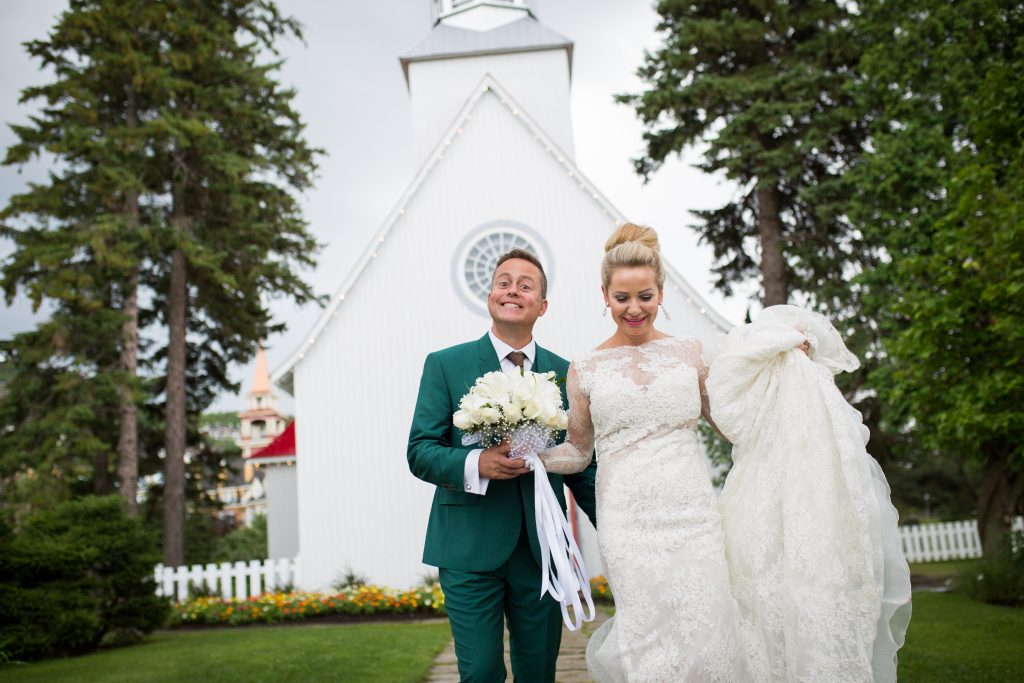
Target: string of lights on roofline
454,132
278,463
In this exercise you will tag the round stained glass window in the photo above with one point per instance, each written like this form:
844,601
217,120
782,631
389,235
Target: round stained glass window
477,256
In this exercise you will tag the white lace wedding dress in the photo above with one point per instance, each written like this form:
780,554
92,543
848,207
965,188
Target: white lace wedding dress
813,548
658,526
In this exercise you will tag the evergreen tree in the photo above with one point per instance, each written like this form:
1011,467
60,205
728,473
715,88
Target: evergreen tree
236,154
940,193
178,155
766,87
82,238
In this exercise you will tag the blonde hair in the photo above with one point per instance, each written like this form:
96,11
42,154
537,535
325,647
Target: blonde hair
632,246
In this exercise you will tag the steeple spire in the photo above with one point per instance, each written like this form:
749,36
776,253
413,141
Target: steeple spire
261,376
260,422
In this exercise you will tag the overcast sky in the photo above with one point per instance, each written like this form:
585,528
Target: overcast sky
353,97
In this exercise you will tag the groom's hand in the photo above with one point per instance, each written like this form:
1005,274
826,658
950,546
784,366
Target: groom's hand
495,463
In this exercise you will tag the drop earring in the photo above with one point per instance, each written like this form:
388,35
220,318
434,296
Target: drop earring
605,311
664,312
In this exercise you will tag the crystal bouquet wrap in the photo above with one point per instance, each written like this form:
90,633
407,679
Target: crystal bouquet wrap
525,409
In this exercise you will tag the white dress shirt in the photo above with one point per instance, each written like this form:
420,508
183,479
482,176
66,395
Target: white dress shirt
473,482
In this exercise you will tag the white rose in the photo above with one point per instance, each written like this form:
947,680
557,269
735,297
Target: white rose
518,388
513,413
561,420
472,403
462,419
489,415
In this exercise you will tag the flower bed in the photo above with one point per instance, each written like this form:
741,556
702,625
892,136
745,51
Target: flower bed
271,608
600,591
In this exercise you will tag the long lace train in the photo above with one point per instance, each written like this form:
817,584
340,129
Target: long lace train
811,538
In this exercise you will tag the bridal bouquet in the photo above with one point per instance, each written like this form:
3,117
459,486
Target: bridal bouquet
525,409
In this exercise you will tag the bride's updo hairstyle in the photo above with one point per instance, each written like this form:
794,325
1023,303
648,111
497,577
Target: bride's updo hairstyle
632,246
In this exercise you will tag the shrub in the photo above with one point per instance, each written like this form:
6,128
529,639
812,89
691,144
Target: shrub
74,575
245,543
998,579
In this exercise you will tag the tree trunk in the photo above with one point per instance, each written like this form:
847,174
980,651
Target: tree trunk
174,434
773,264
101,475
128,426
1002,488
128,437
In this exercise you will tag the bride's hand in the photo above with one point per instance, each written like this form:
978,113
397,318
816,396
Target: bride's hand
805,347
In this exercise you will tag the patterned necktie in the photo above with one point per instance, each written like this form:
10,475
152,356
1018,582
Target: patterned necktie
517,358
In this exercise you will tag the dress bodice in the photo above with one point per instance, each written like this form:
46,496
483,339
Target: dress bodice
623,395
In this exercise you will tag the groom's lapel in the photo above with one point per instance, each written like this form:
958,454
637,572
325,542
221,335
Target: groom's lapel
540,363
488,358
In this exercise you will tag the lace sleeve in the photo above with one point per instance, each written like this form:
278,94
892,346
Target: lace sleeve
702,376
574,454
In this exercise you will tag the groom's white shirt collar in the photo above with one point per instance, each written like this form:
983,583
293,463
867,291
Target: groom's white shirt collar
503,349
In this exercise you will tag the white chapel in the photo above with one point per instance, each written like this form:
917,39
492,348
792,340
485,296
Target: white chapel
490,92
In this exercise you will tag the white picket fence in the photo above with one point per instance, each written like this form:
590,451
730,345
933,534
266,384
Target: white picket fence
921,543
238,580
945,540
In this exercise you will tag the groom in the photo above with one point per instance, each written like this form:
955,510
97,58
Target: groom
481,533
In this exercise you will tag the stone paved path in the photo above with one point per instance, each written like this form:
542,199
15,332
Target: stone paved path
572,665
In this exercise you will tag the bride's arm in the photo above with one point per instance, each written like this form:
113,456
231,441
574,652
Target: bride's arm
705,404
574,454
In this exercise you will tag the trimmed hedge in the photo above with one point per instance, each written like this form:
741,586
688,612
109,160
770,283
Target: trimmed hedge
74,576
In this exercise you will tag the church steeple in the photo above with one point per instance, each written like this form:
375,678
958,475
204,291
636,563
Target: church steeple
475,39
261,393
479,15
260,422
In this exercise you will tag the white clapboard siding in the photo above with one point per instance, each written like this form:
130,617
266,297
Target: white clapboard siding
238,580
945,540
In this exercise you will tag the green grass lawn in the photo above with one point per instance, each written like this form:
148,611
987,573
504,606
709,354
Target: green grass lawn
948,568
953,639
367,653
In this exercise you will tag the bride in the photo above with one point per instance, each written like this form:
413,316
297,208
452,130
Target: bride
810,545
637,397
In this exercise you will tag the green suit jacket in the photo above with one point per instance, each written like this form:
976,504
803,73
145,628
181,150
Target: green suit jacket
467,531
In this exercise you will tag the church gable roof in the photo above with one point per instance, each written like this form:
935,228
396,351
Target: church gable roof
488,87
445,42
281,448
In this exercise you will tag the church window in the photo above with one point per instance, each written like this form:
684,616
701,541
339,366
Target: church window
478,255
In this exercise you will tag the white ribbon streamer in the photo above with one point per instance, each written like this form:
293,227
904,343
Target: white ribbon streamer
563,573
